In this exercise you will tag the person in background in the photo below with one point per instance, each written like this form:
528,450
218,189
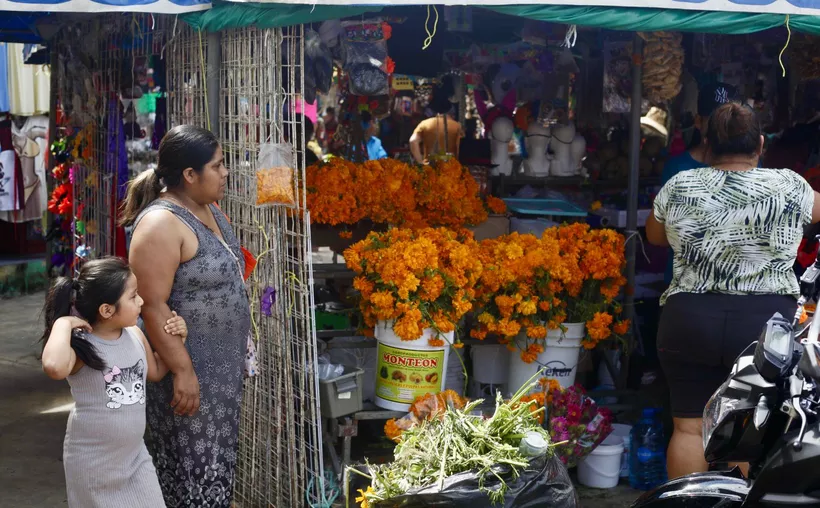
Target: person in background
313,153
329,127
734,229
375,150
709,99
472,150
438,135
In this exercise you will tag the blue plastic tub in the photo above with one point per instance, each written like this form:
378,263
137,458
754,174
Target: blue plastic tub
544,207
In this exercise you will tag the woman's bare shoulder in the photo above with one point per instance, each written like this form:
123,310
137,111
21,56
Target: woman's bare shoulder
159,223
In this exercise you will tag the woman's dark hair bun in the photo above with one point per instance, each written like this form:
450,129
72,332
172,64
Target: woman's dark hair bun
734,129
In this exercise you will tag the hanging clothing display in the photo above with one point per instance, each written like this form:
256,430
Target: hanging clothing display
11,177
30,142
28,85
4,78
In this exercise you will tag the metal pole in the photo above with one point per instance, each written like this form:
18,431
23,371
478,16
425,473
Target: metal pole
632,194
212,78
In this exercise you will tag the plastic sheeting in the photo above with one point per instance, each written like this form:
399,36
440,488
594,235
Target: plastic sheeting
225,15
650,20
548,485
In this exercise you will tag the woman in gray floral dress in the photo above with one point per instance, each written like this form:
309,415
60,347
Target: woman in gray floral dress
187,259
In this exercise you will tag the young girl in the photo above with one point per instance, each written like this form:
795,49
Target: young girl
106,360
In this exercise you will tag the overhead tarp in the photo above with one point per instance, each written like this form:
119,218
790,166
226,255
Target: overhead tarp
97,6
810,7
650,20
19,27
225,15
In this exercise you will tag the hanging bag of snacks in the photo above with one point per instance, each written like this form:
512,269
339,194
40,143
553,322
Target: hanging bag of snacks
275,182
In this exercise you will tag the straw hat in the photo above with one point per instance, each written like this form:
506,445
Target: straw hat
655,119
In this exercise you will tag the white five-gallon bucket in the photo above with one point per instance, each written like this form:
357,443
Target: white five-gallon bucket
559,360
624,432
491,365
601,469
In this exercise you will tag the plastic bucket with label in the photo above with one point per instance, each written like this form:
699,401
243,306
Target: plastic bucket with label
407,369
559,360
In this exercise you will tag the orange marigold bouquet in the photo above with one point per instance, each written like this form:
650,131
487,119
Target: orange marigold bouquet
514,288
572,274
587,280
415,279
389,191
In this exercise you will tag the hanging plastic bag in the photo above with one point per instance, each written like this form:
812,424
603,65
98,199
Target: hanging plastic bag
275,182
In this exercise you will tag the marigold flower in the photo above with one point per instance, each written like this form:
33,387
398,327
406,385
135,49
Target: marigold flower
621,327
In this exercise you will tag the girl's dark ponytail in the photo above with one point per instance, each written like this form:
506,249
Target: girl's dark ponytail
58,304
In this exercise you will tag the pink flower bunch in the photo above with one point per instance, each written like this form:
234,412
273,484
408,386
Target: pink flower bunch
577,422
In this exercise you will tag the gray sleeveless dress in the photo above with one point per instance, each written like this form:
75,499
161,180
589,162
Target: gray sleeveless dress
104,455
195,456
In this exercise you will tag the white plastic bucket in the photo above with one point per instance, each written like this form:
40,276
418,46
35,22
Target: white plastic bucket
490,363
601,469
406,369
559,360
624,432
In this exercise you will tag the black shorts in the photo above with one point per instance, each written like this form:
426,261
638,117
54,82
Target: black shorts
700,337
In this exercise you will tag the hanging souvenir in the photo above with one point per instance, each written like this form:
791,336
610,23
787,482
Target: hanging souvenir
366,60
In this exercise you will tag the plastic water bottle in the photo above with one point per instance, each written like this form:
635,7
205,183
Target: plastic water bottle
647,454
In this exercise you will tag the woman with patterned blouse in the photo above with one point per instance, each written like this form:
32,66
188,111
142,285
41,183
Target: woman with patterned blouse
734,229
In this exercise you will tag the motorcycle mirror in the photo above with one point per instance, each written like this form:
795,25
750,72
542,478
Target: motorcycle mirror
810,360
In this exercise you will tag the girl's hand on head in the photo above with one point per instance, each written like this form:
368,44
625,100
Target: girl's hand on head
75,322
176,326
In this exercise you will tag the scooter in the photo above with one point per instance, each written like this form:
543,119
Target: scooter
767,413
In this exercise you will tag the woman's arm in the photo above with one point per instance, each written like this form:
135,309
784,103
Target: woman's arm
154,256
815,209
656,232
59,359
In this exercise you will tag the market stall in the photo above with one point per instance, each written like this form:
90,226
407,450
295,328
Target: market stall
250,70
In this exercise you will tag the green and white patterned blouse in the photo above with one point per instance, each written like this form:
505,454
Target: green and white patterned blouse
734,232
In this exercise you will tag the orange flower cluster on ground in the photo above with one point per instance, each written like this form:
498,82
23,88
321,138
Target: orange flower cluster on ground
572,274
415,278
425,407
391,192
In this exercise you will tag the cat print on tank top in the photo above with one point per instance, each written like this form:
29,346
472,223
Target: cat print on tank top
125,386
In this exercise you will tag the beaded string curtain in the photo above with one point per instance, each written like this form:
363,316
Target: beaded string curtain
279,462
97,68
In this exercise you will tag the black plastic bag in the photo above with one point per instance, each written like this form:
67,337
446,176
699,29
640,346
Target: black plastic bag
549,485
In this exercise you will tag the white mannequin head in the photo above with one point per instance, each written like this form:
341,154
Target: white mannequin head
563,163
537,141
502,130
501,135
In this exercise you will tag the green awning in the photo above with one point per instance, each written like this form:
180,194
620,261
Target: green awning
650,20
226,15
